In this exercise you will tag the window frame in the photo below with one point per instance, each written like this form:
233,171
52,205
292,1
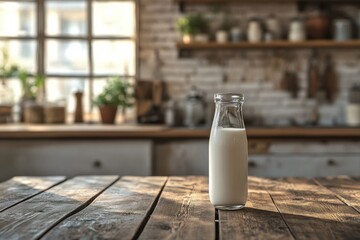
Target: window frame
41,37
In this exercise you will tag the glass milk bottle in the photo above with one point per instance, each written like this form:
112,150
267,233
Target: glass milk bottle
228,153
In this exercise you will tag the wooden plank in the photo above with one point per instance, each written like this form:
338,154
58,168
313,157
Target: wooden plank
312,211
33,218
118,211
18,189
183,211
346,188
258,220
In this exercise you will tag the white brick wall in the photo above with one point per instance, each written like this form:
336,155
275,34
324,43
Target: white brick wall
255,73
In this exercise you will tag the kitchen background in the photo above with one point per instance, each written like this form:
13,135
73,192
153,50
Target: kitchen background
301,103
256,73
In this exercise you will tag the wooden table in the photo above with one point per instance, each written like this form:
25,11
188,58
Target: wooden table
106,207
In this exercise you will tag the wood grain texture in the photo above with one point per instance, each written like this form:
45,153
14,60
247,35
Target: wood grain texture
258,220
18,189
312,211
183,211
346,188
32,218
116,213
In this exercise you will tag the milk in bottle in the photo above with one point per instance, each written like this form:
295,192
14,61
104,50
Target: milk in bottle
228,153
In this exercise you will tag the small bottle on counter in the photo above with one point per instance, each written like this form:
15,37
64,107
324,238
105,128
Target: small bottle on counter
170,113
79,114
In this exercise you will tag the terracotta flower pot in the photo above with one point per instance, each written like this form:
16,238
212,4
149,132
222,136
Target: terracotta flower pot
108,114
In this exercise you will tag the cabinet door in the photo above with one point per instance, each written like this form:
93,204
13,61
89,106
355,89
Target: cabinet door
310,165
188,157
74,157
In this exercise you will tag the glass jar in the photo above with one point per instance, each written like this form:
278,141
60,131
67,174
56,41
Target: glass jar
228,154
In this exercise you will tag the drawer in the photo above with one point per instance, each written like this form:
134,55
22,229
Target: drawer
71,158
304,166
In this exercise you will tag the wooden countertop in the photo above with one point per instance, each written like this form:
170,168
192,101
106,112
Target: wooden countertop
106,207
158,131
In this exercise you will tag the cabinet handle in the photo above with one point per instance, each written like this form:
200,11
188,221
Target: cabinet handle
97,163
331,162
252,164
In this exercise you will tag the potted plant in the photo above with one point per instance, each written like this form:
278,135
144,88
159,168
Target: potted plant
117,93
31,87
222,34
193,27
31,110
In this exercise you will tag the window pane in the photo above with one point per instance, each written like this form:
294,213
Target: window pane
63,89
14,85
114,57
114,18
67,56
21,53
17,19
66,18
98,86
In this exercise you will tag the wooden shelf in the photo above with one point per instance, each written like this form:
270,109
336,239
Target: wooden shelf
270,45
301,4
266,1
83,131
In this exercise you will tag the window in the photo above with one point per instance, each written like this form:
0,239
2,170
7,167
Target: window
77,44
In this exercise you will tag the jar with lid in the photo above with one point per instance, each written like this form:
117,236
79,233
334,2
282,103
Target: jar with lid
228,154
297,30
254,31
194,109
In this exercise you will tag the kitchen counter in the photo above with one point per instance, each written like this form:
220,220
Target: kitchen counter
19,131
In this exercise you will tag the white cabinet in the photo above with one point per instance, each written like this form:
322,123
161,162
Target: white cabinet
281,159
308,165
75,157
187,157
171,157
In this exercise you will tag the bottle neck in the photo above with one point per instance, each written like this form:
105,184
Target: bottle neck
229,115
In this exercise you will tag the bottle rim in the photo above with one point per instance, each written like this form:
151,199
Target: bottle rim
228,97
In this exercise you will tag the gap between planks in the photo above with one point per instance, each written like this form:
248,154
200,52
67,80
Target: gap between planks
35,217
119,211
341,198
148,215
217,227
282,216
78,209
335,226
60,180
